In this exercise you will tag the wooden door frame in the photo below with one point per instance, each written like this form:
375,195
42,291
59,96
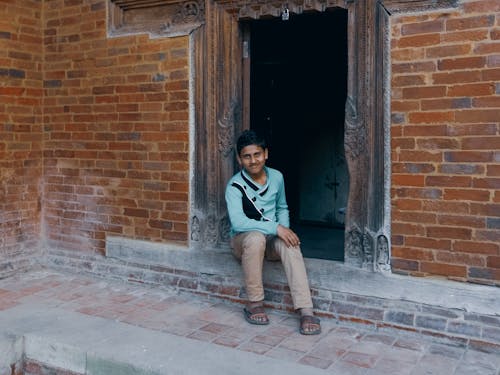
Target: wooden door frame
218,98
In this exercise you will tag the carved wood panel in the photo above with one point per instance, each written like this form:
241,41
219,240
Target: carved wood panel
157,17
218,119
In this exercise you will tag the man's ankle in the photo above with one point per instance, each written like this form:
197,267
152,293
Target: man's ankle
306,311
252,304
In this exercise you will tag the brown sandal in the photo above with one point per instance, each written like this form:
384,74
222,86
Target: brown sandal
311,322
252,315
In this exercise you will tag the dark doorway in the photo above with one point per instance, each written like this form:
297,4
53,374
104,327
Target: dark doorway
298,85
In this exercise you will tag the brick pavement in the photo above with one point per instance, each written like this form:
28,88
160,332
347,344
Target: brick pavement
340,349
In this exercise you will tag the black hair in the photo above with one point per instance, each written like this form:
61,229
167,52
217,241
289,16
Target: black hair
250,137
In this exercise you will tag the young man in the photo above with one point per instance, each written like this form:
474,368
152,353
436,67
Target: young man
260,223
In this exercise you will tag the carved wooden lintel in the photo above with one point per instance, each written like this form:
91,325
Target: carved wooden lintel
158,18
265,9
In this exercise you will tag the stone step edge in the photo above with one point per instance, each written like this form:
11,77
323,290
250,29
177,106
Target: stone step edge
182,356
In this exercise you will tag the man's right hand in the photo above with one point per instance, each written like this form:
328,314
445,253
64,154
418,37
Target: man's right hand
288,236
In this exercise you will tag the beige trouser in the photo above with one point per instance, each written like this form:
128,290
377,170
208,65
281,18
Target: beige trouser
252,247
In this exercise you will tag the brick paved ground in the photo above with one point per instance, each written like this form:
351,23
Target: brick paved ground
340,349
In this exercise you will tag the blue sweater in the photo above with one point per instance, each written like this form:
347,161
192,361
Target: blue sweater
255,207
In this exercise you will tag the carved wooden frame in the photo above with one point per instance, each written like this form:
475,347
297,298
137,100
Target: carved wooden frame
218,117
219,98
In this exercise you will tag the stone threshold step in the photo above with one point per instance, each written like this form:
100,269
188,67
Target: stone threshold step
89,345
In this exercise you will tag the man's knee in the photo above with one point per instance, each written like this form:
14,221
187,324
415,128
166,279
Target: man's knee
281,246
254,240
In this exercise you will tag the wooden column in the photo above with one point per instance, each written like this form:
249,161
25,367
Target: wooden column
218,118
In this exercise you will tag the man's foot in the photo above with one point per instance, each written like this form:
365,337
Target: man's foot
255,314
309,325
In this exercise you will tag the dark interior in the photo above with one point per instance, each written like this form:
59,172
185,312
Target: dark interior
298,92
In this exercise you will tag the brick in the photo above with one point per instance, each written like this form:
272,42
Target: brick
483,273
418,40
443,269
442,312
424,193
478,116
466,194
481,143
487,235
477,89
438,143
414,217
425,130
486,6
407,180
407,204
406,143
136,212
483,319
492,210
449,232
412,253
428,243
431,117
493,261
412,168
467,35
465,169
493,61
486,102
448,181
468,156
456,77
470,22
486,183
462,63
399,317
493,170
408,229
484,346
493,223
471,129
409,80
420,156
424,92
448,51
461,220
422,27
491,334
476,247
416,67
446,103
438,324
460,258
486,48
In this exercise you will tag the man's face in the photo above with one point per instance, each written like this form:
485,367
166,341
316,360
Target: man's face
253,159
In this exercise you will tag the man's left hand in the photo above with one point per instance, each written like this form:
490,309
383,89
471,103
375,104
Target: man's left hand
288,236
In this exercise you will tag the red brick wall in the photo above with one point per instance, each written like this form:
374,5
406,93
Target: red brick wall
115,134
116,121
20,125
446,142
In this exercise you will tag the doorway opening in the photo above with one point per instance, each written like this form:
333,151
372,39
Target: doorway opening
298,89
